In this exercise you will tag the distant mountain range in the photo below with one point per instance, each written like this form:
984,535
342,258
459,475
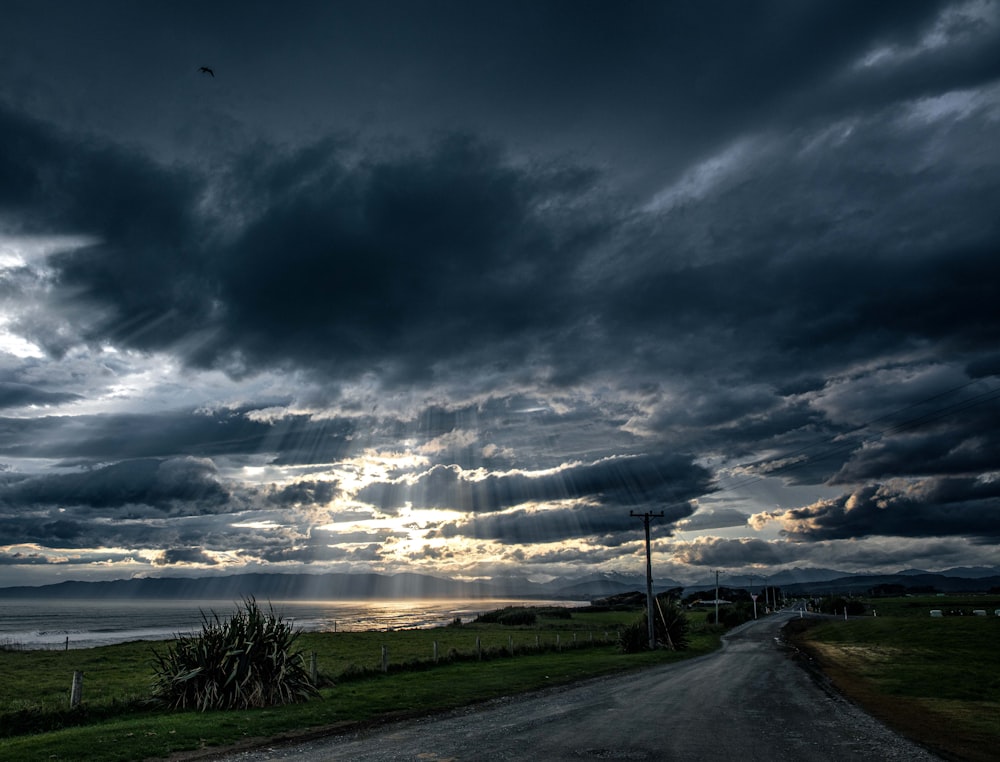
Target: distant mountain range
912,582
827,581
277,587
339,587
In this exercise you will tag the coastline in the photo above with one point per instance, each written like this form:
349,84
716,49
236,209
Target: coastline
71,623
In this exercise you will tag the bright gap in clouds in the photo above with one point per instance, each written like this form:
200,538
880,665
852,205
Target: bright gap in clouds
22,258
16,345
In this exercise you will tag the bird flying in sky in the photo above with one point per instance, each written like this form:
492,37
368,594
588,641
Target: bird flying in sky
206,70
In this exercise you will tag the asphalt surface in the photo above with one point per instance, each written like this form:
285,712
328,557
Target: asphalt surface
748,701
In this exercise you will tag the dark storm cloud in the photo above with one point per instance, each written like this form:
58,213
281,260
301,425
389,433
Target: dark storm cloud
17,395
983,367
616,482
304,493
921,455
80,529
343,264
142,280
76,529
938,507
374,263
307,554
184,556
339,537
295,439
953,436
541,233
453,254
802,292
724,553
38,559
319,547
119,505
720,518
19,559
173,485
612,524
573,556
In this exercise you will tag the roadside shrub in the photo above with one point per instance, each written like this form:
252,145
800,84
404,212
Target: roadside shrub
516,617
510,616
242,662
634,637
670,627
854,606
732,615
555,612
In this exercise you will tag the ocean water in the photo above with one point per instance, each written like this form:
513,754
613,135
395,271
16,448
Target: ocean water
58,624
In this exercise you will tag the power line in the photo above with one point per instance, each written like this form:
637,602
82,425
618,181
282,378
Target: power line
912,423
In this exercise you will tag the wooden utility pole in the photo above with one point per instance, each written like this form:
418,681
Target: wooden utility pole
716,596
76,690
649,575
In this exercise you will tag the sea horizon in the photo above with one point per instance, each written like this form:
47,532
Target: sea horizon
72,623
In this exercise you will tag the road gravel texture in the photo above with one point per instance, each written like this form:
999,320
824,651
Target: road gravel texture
747,701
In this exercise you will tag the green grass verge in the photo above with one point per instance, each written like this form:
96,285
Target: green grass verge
116,728
920,606
935,680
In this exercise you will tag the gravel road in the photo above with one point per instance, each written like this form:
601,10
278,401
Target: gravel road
748,701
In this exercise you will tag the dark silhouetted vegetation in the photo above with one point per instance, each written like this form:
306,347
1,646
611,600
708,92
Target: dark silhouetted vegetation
732,615
242,662
522,616
837,604
670,627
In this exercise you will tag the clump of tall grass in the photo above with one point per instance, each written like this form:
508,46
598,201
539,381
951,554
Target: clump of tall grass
241,662
670,627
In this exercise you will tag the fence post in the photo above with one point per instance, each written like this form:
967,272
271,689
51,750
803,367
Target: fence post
510,644
537,642
558,647
76,691
66,647
385,659
479,648
313,671
435,652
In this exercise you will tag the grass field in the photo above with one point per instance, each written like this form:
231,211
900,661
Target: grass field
114,724
937,680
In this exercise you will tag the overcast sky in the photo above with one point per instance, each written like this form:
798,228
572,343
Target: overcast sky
456,287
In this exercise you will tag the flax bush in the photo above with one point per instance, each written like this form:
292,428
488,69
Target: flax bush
670,627
237,663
